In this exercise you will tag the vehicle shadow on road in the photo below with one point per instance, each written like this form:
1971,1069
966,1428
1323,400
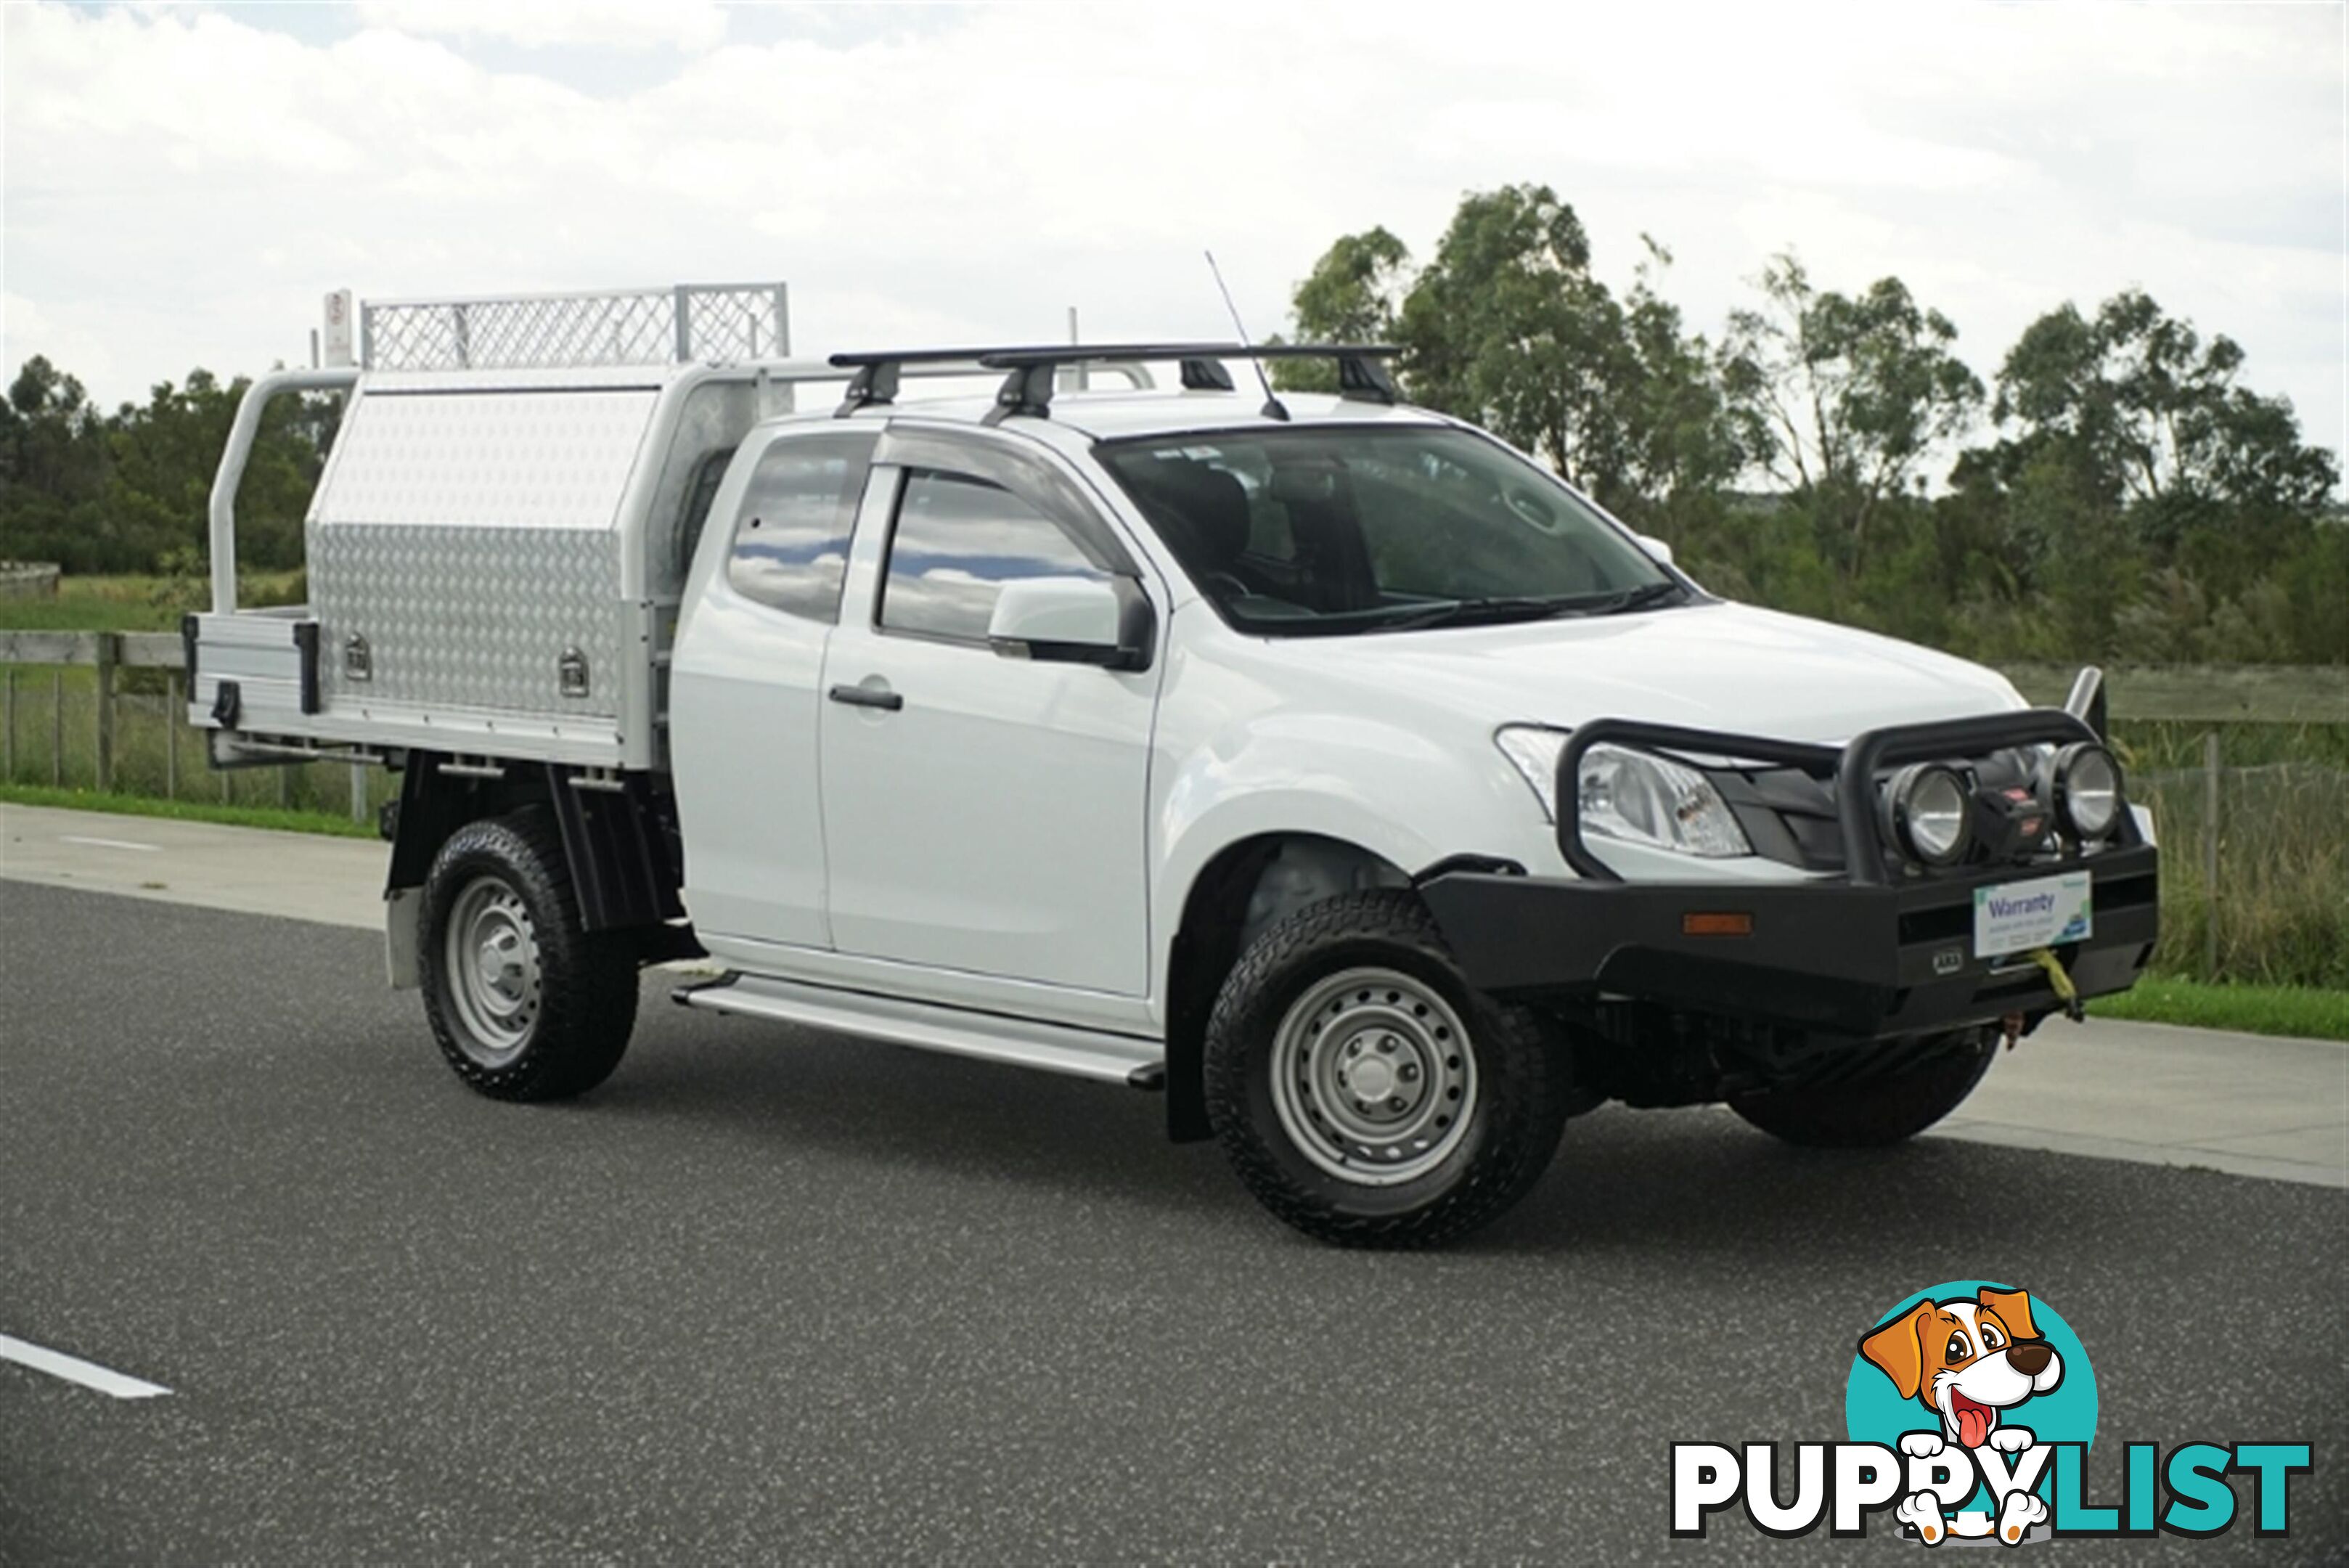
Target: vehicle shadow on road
785,1088
1698,1181
1701,1181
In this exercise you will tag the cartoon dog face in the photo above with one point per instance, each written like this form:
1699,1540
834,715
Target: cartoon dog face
1966,1360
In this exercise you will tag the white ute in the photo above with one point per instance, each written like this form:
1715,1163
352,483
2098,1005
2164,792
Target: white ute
1318,761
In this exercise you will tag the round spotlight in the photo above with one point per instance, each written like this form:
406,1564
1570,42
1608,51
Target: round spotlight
1928,806
2087,789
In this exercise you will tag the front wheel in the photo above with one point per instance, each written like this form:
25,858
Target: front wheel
1363,1093
525,1004
1869,1113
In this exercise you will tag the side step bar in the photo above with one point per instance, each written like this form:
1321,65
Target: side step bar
1055,1048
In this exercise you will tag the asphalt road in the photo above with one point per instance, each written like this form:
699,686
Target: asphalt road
781,1297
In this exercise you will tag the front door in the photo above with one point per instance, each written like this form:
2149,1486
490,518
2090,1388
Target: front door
981,813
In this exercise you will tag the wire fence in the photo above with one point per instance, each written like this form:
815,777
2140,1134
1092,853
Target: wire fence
2254,870
60,728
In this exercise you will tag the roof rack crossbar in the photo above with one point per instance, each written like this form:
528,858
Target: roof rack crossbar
1205,376
1362,374
1365,379
873,383
1027,390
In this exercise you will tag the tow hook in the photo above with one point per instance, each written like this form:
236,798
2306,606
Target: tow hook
2062,983
2011,1029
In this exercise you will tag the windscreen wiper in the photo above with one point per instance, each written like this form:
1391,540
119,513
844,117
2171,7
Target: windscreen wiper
1528,607
1480,611
1640,597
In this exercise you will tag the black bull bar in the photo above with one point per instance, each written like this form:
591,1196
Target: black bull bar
1872,951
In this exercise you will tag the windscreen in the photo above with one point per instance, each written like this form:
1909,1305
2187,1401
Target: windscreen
1343,529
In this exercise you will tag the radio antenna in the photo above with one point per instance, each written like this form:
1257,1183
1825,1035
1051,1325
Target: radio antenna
1272,405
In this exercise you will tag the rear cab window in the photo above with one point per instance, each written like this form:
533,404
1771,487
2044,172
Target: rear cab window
792,530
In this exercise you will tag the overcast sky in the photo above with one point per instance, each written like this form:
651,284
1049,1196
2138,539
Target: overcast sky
182,184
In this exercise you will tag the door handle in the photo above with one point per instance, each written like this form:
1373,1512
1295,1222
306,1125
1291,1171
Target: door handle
868,696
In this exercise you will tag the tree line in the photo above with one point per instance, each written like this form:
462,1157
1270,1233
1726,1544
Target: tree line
2113,492
130,491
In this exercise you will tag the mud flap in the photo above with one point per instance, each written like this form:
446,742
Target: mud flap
403,921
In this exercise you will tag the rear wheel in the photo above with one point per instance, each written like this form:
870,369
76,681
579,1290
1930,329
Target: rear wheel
525,1004
1869,1113
1363,1093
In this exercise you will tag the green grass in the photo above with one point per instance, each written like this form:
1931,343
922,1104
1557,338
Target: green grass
2253,1009
188,810
63,614
133,603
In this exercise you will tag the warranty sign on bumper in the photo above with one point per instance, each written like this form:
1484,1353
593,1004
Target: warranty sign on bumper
2015,916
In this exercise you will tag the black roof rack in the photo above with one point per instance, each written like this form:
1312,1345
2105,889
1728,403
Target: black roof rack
1028,389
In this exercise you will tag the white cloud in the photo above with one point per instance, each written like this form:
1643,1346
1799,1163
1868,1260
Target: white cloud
181,187
689,24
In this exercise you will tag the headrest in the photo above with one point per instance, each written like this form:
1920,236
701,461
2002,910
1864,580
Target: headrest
1202,512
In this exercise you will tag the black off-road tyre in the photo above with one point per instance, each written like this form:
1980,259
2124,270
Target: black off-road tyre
1872,1113
567,1031
1504,1141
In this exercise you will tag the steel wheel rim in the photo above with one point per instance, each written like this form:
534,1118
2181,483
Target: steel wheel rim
1373,1076
492,948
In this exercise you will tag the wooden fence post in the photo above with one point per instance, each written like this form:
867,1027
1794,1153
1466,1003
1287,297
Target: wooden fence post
359,792
2210,854
171,735
109,649
12,723
57,728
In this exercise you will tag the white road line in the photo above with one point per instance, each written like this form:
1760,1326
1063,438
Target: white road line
74,1369
109,843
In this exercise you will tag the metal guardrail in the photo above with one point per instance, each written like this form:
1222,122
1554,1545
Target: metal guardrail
139,649
2182,693
2205,693
2256,695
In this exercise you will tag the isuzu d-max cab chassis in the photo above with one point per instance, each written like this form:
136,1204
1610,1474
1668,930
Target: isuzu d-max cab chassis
1318,761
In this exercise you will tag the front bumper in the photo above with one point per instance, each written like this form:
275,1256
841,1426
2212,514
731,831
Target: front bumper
1841,958
1873,952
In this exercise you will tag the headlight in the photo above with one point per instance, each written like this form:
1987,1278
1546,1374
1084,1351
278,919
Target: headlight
1535,751
1634,796
1925,811
2086,785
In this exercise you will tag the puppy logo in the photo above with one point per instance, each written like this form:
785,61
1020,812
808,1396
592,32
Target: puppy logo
1967,1361
1970,1407
1974,1353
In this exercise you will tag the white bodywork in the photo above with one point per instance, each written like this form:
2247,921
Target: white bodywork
920,829
1021,837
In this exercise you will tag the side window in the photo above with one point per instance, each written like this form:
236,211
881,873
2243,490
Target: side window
958,542
791,536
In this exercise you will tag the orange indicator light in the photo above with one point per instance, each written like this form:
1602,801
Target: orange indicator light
1717,924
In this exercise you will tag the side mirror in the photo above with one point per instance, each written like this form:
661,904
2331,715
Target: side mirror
1656,547
1073,620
